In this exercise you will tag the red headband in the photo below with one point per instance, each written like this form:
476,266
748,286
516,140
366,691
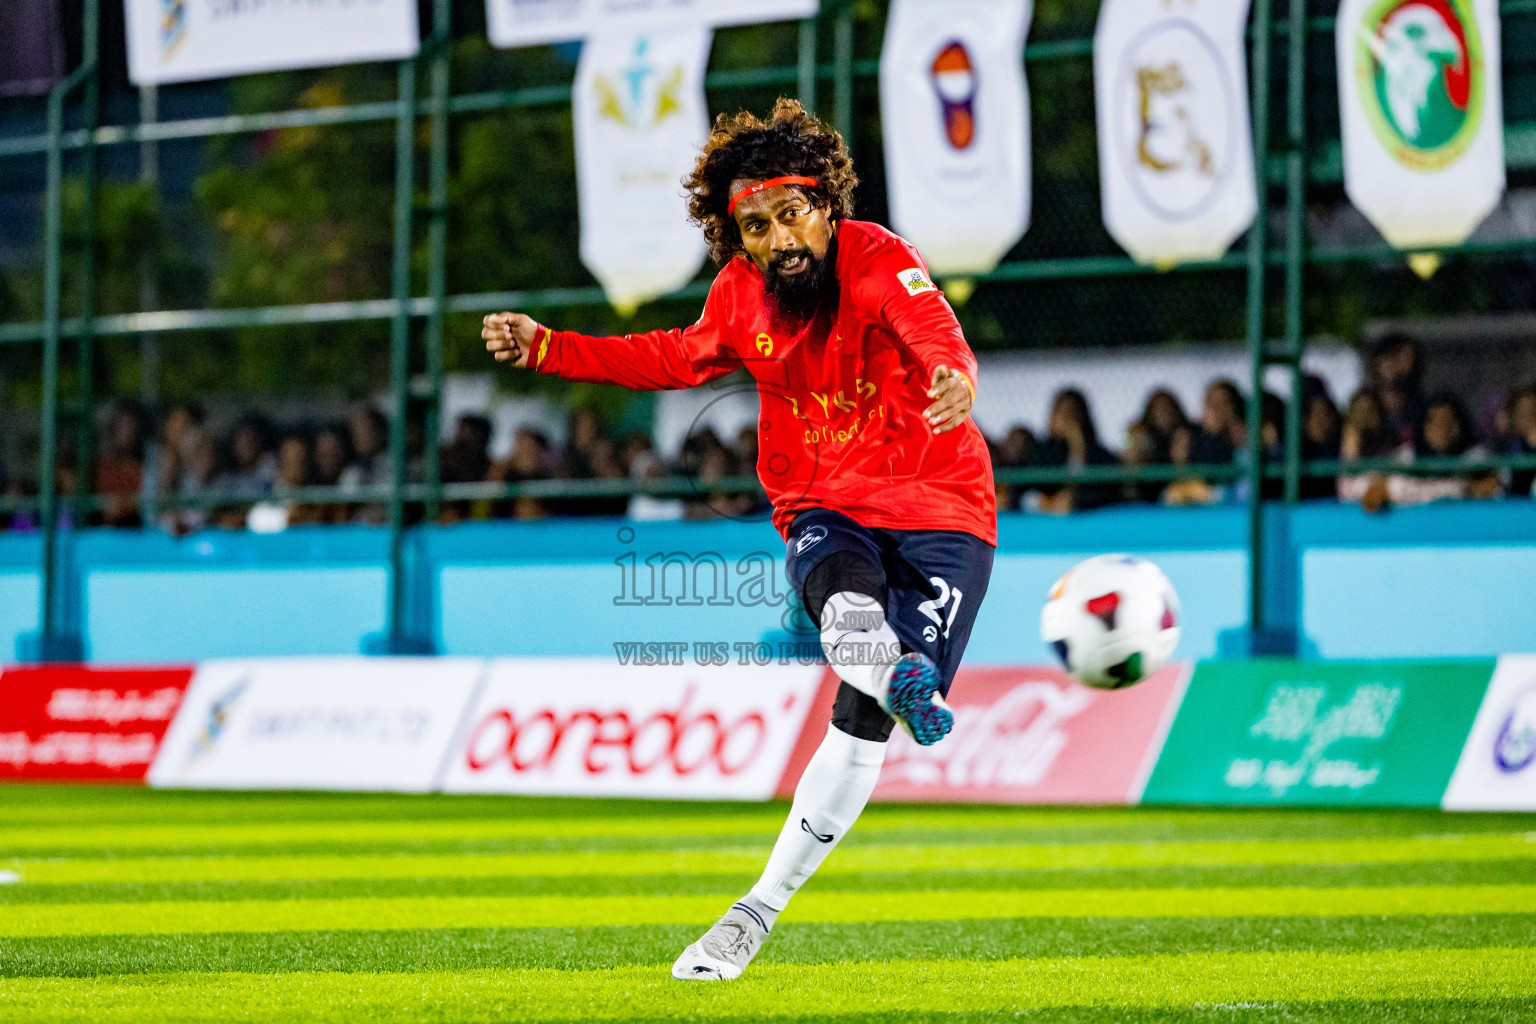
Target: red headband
752,190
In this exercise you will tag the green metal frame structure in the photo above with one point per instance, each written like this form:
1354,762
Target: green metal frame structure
1287,171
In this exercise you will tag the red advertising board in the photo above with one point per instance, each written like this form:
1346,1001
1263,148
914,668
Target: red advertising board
74,722
1033,735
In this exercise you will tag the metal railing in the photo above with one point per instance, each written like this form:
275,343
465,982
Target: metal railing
1289,171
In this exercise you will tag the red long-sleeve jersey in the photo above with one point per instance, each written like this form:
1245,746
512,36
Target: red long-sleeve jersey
840,422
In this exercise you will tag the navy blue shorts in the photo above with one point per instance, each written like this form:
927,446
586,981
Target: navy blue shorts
934,579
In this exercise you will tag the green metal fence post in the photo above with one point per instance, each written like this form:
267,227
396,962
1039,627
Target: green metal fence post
397,638
842,72
52,642
1295,237
807,64
1258,246
85,422
437,246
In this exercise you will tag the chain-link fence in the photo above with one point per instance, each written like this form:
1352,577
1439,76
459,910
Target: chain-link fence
294,265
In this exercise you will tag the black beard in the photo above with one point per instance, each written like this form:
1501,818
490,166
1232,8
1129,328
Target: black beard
793,302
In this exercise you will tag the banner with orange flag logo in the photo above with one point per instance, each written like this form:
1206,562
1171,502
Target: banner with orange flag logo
955,112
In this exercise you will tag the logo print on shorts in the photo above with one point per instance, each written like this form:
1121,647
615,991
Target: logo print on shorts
810,538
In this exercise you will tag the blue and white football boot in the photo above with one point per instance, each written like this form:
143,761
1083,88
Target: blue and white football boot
724,951
912,697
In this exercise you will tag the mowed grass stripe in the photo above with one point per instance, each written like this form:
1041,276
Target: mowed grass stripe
647,820
658,945
653,820
780,991
163,918
935,872
849,859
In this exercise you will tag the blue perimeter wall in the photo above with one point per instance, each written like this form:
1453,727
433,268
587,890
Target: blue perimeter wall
1452,580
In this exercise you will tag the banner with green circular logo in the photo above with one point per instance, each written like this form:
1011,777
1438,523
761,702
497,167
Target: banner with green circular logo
1420,107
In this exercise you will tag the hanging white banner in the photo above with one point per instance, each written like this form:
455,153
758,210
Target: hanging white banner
640,120
185,40
1422,116
1175,144
528,22
955,112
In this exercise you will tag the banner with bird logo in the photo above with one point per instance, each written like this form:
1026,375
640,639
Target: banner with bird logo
954,109
1175,144
1422,116
640,118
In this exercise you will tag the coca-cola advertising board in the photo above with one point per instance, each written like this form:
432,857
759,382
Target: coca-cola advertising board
317,723
1033,735
73,722
590,727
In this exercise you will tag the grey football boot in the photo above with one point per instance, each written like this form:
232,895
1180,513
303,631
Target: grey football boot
724,951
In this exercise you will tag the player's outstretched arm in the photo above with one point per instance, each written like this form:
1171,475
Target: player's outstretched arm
650,361
510,337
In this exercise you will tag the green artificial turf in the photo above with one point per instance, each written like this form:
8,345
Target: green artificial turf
135,905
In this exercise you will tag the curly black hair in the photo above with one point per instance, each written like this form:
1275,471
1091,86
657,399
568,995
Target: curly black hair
790,142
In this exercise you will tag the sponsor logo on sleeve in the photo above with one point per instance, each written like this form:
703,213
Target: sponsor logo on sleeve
915,280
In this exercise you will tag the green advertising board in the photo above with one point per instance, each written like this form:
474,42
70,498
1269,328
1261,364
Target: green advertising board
1287,732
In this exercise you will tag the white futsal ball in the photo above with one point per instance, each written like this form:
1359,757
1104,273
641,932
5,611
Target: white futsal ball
1112,620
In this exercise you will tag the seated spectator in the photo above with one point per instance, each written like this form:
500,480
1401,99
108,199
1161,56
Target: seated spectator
167,458
648,508
1074,442
1018,450
370,467
331,457
1445,431
253,467
1396,372
744,455
120,467
1221,434
1320,424
1150,440
528,461
587,455
1519,438
466,460
1366,434
709,501
280,511
1272,437
199,473
369,429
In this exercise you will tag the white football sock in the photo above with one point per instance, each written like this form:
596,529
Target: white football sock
833,791
862,656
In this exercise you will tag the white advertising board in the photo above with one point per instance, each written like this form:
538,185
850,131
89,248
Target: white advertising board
590,727
316,723
1497,768
529,22
186,40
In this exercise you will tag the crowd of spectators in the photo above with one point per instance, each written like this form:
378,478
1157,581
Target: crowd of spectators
1391,419
183,476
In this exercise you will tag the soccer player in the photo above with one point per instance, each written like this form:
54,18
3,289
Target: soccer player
881,485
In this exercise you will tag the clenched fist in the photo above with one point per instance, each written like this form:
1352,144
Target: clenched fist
510,337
